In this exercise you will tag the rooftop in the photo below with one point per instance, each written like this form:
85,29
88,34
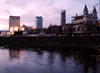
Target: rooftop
78,17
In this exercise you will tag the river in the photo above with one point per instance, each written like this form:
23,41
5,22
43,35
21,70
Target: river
37,61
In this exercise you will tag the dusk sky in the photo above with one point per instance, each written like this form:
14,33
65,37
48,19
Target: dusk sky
48,9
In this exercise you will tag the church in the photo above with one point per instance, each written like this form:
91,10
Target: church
86,17
86,23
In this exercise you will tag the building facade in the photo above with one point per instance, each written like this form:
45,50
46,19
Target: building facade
84,24
38,22
86,17
63,17
28,27
14,21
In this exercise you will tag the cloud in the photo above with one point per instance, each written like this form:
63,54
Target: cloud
48,9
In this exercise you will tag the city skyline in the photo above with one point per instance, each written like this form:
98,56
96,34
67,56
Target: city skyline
48,9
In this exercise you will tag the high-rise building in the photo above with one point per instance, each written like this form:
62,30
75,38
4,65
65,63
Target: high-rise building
38,22
14,21
72,18
63,17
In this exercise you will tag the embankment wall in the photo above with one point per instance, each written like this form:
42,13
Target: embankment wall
82,41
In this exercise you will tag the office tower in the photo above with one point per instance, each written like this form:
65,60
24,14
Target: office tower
38,22
72,19
63,17
14,21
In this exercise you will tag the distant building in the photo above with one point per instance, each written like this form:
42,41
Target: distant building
63,17
28,27
17,29
72,18
86,17
38,22
55,29
14,21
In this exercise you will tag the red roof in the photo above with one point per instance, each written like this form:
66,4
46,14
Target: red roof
78,17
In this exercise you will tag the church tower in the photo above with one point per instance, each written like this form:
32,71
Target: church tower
94,12
85,11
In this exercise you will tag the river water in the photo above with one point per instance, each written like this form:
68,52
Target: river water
36,61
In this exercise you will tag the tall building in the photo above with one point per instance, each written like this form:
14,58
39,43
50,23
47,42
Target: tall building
14,21
63,17
38,22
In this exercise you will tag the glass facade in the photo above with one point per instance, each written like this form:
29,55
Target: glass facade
63,17
14,21
38,22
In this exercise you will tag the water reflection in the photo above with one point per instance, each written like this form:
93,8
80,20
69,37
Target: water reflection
39,52
15,54
51,57
81,59
38,61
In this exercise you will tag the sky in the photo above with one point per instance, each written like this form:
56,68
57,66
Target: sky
48,9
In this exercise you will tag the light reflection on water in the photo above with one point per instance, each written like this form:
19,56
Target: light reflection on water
27,61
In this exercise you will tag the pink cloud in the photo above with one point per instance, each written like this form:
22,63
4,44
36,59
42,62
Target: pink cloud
48,9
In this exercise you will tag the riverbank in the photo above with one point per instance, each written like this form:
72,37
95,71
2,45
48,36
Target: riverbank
47,42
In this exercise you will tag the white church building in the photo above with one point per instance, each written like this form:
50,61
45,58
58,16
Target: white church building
85,23
86,17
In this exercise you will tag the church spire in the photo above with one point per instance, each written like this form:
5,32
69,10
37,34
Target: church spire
86,9
94,10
